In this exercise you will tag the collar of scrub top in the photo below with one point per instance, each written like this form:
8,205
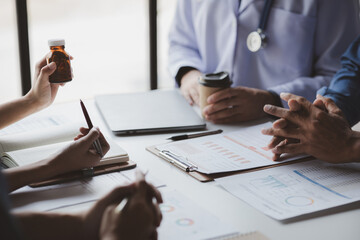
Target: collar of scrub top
257,39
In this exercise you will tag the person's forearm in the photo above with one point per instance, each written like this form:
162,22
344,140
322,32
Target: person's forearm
302,86
17,109
353,153
51,226
18,177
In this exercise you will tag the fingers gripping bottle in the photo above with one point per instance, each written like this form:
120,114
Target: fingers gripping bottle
62,59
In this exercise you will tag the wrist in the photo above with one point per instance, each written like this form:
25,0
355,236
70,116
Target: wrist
270,98
266,97
181,73
191,75
45,170
276,98
32,102
353,151
53,167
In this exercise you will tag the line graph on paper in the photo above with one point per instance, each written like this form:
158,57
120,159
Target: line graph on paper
338,179
297,189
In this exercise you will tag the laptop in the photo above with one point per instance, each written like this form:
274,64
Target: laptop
148,112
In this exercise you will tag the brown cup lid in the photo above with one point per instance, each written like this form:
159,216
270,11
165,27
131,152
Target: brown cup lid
219,79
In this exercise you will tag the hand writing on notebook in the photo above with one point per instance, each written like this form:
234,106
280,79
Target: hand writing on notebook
78,155
81,153
104,144
139,218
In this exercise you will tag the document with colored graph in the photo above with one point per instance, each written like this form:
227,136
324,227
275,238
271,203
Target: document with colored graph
184,219
234,151
297,189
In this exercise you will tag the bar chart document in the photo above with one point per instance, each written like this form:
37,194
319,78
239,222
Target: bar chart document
238,150
293,190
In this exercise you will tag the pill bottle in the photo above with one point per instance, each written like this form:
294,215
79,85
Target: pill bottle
62,59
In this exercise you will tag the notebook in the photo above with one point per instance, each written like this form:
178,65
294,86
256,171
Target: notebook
43,134
148,112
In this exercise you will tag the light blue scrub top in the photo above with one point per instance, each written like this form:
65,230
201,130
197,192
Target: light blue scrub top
305,41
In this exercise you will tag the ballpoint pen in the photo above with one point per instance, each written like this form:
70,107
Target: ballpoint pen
96,143
194,135
140,176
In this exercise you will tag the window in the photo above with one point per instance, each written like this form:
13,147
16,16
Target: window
109,40
166,11
9,60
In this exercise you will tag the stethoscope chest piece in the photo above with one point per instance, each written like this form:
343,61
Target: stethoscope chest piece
256,40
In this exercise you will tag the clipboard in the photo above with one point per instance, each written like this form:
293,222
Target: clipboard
202,177
86,173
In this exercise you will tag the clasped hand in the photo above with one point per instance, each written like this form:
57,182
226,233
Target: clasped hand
318,129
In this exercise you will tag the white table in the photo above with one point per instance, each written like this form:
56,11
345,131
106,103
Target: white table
342,225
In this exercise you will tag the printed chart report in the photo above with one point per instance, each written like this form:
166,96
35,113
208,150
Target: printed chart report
183,219
72,193
239,150
294,190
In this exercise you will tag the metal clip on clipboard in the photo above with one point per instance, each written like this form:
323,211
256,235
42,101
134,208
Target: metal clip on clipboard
179,161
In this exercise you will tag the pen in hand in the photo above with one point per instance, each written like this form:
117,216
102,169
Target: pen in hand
96,143
194,135
140,176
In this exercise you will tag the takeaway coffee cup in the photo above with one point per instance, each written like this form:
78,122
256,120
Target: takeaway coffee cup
211,83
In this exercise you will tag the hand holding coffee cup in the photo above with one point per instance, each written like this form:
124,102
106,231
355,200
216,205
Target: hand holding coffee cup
211,83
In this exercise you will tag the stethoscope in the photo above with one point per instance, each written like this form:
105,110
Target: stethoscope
257,39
